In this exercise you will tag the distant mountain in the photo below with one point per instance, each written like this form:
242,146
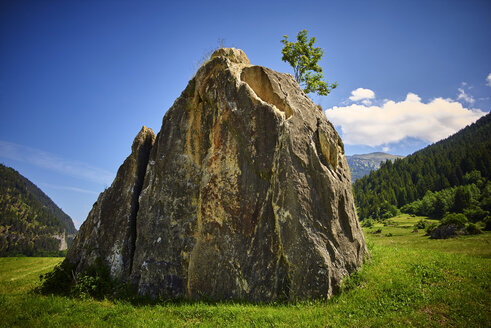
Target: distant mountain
439,166
361,165
30,222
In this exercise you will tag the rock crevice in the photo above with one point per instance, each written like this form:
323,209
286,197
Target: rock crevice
109,232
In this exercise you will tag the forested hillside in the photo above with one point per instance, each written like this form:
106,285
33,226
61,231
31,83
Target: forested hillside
30,223
456,161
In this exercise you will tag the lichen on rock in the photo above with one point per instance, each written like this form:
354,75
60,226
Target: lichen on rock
245,193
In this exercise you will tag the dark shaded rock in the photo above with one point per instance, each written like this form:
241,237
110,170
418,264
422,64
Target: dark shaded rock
447,231
246,195
109,232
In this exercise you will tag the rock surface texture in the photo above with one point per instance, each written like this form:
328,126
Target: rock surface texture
245,193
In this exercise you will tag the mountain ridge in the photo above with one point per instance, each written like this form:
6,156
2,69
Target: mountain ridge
362,164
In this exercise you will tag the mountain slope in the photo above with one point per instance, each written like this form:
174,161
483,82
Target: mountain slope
361,165
434,168
30,222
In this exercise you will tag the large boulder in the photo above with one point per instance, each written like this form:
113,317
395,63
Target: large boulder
246,195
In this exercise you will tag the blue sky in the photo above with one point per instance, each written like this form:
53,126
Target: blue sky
78,79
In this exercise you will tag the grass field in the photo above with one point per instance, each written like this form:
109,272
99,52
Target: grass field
410,280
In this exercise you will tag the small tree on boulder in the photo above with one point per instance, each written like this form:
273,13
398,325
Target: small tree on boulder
304,58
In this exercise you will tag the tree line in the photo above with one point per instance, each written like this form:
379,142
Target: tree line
445,174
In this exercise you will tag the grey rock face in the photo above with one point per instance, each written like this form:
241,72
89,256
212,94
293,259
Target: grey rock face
108,233
246,195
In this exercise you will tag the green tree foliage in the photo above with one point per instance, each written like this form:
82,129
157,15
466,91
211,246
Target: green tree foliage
458,219
304,58
463,159
28,218
469,200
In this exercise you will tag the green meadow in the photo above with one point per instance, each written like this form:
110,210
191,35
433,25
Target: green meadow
409,281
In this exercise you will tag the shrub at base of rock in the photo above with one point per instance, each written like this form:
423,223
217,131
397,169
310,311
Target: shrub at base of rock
472,229
94,282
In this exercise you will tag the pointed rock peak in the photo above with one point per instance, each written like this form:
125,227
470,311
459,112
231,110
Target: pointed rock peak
235,55
145,135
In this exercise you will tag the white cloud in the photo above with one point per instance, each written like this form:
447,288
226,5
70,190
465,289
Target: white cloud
395,121
488,79
465,97
54,163
412,98
360,94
